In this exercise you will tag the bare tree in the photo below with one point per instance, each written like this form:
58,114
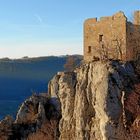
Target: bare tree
103,50
111,50
70,63
118,49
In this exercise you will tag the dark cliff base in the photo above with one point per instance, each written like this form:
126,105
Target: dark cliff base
36,119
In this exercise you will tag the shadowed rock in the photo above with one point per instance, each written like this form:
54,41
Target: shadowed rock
36,119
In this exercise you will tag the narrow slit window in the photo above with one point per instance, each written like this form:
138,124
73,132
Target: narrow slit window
89,49
100,38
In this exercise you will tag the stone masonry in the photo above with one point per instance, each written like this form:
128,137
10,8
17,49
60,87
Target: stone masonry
112,37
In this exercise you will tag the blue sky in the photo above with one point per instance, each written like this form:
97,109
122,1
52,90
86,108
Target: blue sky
51,27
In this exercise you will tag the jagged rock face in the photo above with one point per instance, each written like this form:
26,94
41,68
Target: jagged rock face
92,100
36,119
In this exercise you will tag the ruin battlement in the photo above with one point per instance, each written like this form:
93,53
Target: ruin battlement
106,18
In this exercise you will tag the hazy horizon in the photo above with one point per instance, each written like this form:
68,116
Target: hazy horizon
37,51
42,56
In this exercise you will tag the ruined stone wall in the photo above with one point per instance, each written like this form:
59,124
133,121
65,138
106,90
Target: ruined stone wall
133,38
105,38
137,18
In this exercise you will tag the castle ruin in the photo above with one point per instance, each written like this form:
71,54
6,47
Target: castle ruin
112,37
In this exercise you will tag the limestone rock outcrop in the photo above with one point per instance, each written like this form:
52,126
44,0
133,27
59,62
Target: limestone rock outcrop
36,119
93,100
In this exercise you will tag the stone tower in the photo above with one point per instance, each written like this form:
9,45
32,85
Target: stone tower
112,37
137,17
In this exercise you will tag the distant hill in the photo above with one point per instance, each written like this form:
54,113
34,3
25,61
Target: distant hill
19,78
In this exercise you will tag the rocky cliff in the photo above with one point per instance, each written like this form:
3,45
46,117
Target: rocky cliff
97,101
